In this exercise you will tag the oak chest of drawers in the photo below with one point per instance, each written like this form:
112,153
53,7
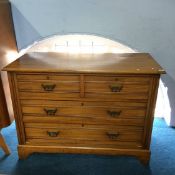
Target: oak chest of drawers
99,104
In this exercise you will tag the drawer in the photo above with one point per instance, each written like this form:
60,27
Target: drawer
50,76
117,88
106,134
84,111
49,86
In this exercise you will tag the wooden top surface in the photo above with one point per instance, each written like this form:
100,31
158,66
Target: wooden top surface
137,63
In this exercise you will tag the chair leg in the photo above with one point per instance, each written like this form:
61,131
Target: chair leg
3,145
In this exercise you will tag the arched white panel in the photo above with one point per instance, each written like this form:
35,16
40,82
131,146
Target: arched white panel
79,44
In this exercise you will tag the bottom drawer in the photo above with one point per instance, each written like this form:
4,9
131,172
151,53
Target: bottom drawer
86,135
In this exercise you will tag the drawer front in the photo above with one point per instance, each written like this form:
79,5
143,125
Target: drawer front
99,112
49,86
117,87
107,134
118,113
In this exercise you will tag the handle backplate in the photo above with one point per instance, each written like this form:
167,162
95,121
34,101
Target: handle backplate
112,135
50,111
53,133
115,87
48,87
113,113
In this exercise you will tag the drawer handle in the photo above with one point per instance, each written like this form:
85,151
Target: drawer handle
48,87
50,111
52,134
112,135
114,113
116,88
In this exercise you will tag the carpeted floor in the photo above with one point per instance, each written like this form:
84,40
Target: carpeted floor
162,159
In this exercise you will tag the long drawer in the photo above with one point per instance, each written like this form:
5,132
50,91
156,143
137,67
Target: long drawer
83,111
102,136
95,133
121,113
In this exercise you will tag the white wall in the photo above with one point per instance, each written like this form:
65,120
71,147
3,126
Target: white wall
144,25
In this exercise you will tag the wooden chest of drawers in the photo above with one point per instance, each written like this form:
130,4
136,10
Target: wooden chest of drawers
99,104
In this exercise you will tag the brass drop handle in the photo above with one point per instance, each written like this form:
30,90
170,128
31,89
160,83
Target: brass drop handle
112,135
48,87
52,133
116,87
50,111
113,113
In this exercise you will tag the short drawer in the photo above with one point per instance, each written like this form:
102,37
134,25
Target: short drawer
49,86
107,134
117,87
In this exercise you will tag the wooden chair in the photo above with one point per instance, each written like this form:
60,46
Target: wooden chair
3,145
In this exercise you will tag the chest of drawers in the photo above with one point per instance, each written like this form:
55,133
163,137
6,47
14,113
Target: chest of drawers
94,104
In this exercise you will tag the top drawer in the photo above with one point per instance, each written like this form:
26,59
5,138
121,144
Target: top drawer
48,86
117,87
